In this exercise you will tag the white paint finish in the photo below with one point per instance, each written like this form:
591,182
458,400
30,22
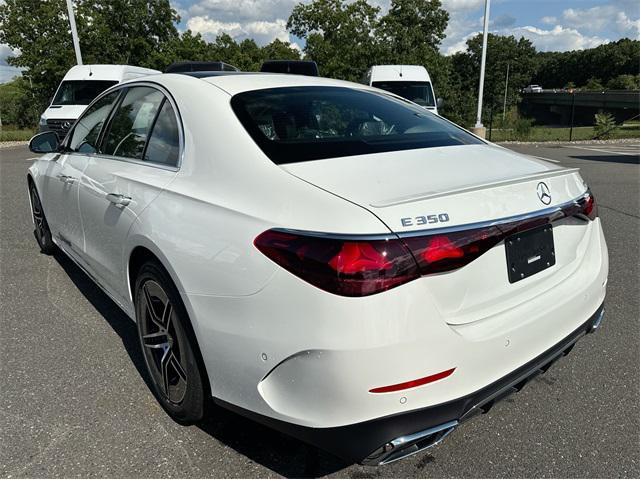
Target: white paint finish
106,225
407,184
324,352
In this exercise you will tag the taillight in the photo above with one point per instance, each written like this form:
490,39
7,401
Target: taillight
353,266
589,207
437,253
348,267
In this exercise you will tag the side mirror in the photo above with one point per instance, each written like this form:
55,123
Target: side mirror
439,102
45,142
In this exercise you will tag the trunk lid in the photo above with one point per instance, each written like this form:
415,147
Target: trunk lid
449,186
436,188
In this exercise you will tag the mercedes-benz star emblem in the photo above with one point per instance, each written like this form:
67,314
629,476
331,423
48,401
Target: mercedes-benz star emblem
66,124
543,193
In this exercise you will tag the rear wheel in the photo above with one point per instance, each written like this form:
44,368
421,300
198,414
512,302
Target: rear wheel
168,345
41,231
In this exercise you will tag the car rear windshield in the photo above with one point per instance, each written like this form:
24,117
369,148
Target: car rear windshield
80,92
419,92
297,124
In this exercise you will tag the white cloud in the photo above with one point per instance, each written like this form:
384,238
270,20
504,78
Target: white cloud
549,20
557,39
603,18
243,10
262,32
462,5
262,20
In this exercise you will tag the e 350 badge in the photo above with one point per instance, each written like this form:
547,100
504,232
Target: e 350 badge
424,220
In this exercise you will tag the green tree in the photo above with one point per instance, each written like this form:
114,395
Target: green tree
624,82
519,54
18,107
606,62
594,84
339,35
412,30
118,31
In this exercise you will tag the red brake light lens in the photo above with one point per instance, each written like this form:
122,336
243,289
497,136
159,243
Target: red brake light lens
341,266
448,251
589,207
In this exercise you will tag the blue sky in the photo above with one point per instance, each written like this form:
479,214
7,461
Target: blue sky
551,24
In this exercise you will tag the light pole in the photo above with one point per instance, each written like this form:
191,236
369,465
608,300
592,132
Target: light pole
506,87
74,33
479,127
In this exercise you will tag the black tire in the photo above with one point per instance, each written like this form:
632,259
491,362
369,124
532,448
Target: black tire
41,231
169,346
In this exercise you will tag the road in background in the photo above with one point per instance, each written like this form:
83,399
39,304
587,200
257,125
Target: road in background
74,401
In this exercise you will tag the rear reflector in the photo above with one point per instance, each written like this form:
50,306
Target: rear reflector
359,266
415,383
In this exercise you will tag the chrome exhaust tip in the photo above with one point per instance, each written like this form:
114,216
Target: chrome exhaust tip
404,446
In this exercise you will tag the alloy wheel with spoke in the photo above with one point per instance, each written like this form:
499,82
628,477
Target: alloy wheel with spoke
41,230
162,347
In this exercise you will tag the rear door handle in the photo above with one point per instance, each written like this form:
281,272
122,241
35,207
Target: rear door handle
66,178
118,199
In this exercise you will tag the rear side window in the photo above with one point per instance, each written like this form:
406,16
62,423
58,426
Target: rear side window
164,142
297,124
132,122
84,138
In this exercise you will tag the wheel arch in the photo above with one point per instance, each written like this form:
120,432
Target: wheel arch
145,251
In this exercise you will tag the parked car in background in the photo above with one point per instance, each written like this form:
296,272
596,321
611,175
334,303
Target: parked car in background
408,81
80,85
321,256
532,89
294,67
197,66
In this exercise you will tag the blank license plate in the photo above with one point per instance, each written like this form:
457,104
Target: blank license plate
530,252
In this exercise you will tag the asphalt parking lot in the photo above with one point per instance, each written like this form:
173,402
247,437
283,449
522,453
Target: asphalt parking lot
74,401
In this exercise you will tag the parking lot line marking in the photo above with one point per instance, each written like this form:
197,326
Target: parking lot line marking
602,151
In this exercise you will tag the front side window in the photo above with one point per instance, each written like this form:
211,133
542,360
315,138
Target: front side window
417,92
80,92
132,122
297,124
84,138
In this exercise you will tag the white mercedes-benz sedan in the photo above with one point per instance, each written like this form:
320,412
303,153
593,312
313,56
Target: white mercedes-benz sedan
324,257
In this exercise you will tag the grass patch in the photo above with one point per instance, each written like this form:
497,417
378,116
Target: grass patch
544,133
15,134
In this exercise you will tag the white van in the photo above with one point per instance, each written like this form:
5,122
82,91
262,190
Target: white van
79,87
408,81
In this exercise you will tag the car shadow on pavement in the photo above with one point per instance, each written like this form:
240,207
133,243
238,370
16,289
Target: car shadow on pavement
276,451
625,159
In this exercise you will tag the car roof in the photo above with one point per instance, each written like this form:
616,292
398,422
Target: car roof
399,73
105,72
234,84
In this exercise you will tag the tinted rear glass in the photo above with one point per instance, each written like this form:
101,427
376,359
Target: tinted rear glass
419,92
296,124
80,92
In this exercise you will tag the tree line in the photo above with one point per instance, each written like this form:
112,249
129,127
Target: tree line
344,37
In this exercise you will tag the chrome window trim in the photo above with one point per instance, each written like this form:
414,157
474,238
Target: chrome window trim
124,159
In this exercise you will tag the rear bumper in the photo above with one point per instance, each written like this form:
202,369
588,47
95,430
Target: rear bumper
389,438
